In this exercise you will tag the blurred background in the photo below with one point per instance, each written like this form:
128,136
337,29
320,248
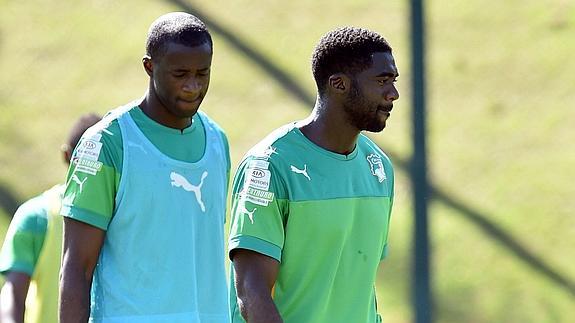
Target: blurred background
500,90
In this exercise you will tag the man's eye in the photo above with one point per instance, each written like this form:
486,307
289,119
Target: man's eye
386,81
179,74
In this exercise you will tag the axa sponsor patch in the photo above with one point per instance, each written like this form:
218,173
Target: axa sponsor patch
88,166
89,149
259,197
93,136
258,178
256,163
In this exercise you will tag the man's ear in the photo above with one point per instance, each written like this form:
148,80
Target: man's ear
339,83
148,66
66,153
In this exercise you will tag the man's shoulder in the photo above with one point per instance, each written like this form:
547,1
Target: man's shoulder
36,204
209,122
268,148
32,215
102,143
106,132
106,129
109,124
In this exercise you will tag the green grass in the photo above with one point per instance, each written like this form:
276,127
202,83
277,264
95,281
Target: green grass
500,91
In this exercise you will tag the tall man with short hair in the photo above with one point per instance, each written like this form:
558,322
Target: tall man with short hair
311,202
143,226
32,249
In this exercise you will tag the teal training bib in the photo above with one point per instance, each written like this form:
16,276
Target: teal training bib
163,256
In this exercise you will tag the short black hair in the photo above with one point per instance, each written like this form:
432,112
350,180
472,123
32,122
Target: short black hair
176,27
345,50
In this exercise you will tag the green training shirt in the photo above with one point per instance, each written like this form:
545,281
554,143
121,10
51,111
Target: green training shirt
324,216
25,237
95,171
33,246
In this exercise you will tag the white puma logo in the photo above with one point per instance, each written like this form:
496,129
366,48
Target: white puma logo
250,213
180,181
78,181
301,171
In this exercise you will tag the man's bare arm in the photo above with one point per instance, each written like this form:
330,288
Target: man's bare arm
82,244
13,297
255,276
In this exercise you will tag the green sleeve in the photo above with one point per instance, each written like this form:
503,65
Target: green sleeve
228,158
25,237
259,208
391,183
94,175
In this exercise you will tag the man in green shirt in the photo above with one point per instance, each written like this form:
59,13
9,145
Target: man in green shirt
30,256
311,202
144,207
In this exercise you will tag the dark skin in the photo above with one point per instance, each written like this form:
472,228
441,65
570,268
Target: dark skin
81,243
329,126
81,249
179,80
339,115
255,276
16,284
13,297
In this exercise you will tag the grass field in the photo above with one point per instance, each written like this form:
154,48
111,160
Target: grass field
500,96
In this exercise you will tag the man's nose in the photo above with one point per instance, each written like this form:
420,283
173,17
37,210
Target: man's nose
392,94
192,85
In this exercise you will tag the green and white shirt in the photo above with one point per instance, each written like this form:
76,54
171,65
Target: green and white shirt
324,216
94,175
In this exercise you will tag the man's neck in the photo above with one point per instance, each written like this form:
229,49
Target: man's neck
328,128
155,110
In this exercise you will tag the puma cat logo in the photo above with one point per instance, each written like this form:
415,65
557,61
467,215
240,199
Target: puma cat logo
78,181
301,171
180,181
250,213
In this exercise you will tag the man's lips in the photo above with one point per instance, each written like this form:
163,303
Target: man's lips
386,109
190,100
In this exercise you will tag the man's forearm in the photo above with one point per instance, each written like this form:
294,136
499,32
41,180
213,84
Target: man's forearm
74,296
13,297
255,276
11,307
258,308
82,244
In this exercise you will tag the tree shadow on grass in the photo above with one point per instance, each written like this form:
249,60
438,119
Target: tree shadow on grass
480,220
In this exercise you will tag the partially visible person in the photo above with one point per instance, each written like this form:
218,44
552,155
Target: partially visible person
145,204
32,249
311,203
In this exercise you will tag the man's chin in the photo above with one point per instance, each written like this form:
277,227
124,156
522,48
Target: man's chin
187,109
375,127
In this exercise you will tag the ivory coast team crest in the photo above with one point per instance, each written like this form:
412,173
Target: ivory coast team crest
376,167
